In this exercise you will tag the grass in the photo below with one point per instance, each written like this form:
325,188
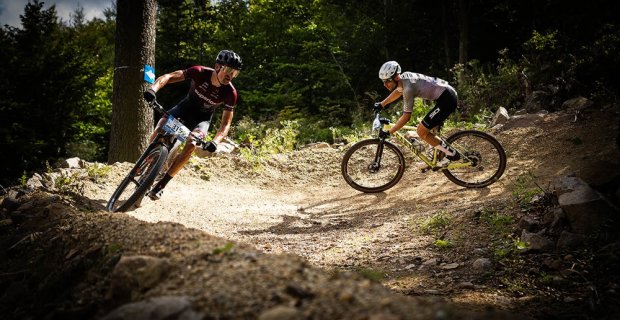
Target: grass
443,244
97,171
371,274
436,223
495,221
525,189
225,249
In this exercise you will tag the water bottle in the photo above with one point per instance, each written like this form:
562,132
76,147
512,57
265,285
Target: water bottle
418,145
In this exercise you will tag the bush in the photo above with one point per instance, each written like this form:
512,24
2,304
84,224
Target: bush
482,89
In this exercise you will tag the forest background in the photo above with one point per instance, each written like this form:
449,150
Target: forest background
310,67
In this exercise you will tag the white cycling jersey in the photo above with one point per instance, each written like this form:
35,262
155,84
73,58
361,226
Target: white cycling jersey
416,85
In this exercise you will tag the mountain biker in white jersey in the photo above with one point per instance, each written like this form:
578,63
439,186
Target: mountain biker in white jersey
410,85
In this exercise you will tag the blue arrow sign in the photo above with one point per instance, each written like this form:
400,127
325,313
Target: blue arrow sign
149,74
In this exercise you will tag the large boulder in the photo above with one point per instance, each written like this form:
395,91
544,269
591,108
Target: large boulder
586,210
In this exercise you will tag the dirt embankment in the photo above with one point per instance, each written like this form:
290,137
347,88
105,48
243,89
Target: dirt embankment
291,240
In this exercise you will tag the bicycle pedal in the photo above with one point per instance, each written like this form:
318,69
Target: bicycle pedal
425,169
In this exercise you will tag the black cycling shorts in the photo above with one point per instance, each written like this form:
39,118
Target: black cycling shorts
190,113
444,106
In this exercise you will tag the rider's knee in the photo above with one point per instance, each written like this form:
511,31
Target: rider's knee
423,132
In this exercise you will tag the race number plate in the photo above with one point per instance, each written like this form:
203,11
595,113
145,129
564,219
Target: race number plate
174,126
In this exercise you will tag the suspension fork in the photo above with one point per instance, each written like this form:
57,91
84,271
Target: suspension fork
379,153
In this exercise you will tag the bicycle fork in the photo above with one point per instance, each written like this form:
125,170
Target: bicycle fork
375,165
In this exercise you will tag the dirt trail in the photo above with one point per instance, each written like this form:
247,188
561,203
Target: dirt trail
299,204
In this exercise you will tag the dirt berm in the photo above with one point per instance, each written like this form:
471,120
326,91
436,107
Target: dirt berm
288,239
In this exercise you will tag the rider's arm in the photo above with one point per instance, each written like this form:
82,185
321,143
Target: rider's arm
222,132
402,121
172,77
395,95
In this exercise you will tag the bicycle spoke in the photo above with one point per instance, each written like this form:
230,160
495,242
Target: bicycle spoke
136,184
486,156
368,171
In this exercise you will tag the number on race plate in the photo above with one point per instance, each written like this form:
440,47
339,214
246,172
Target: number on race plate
174,126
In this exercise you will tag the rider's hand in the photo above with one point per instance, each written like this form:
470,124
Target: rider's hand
210,146
384,134
149,95
377,107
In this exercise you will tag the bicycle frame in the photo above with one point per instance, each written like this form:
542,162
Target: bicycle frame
154,160
432,163
482,158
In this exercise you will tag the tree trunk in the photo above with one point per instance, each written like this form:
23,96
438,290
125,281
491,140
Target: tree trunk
132,118
446,37
463,30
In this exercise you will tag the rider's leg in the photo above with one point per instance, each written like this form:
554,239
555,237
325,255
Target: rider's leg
178,163
445,105
176,166
160,124
200,131
426,135
194,119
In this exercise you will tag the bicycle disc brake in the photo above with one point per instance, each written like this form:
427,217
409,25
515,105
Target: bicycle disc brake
474,156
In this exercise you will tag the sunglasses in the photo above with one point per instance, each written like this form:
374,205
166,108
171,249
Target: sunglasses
387,80
230,71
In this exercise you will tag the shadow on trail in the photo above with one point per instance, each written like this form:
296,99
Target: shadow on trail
87,203
329,214
379,197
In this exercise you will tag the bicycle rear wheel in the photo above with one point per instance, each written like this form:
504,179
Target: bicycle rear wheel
135,185
373,166
486,154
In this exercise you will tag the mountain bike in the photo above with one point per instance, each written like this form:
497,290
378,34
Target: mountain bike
376,165
153,163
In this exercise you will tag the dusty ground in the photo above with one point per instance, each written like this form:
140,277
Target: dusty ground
298,204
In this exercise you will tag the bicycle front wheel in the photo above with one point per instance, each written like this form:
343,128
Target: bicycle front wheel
484,152
135,185
373,166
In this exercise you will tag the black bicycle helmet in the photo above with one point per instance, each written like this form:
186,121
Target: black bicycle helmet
229,58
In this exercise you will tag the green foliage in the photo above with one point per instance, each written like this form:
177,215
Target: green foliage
542,42
503,244
310,62
443,244
49,71
225,249
67,182
525,189
483,90
508,248
261,140
436,223
23,180
371,274
496,221
97,171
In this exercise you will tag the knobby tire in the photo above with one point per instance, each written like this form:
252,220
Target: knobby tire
489,156
156,158
357,161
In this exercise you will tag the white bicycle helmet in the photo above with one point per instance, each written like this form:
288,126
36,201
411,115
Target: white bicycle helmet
388,70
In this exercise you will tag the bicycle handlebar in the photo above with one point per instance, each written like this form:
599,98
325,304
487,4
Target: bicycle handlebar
158,107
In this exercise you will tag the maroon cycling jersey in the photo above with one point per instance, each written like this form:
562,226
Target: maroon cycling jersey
209,95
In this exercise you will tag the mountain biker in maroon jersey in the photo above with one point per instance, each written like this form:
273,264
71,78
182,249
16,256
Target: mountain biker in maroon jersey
210,88
411,85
